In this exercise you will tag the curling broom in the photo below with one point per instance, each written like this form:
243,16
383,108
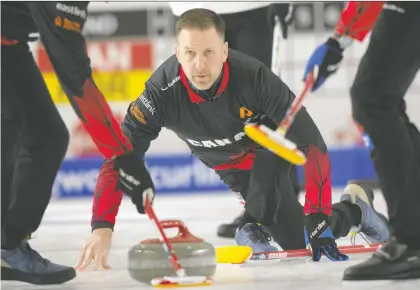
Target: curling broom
276,141
240,254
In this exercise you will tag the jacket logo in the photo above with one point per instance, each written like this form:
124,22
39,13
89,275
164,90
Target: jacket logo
245,113
210,143
216,142
73,10
171,83
147,104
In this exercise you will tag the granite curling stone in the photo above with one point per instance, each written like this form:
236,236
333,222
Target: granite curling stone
148,260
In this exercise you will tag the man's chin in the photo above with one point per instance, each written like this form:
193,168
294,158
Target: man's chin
202,86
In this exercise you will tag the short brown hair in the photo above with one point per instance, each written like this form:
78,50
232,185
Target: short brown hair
202,19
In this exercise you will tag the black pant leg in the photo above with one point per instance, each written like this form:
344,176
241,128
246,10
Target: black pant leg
12,129
413,131
43,146
386,70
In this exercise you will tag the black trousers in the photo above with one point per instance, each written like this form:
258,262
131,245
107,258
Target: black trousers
386,71
250,32
269,195
34,140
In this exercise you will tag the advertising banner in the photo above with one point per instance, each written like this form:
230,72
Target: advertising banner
120,69
183,173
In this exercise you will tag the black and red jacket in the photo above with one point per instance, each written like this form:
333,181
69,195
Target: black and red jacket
211,124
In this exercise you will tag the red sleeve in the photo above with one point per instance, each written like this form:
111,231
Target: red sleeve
107,199
141,125
358,18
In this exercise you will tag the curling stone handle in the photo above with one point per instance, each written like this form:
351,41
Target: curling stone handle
183,231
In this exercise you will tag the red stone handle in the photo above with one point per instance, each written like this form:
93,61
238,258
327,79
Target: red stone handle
184,235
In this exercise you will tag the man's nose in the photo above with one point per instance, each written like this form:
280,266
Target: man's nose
200,62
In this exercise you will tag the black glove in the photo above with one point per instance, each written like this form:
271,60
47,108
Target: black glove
326,58
285,13
319,235
134,179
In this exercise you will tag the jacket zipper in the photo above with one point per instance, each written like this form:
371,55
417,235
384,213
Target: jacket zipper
217,116
218,122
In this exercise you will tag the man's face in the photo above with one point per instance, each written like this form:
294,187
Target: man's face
201,54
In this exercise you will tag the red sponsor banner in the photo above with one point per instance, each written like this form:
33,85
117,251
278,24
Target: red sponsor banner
110,56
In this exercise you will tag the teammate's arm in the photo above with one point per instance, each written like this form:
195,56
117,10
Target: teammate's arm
60,25
356,21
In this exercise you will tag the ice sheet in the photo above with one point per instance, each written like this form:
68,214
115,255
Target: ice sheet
66,227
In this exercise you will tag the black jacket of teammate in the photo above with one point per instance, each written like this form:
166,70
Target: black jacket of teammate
59,26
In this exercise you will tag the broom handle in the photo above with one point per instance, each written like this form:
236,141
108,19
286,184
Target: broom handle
295,107
163,238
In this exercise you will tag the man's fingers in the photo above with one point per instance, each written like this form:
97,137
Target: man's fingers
97,260
105,263
316,254
81,258
330,253
86,261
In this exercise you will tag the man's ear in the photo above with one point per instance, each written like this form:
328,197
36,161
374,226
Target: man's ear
225,51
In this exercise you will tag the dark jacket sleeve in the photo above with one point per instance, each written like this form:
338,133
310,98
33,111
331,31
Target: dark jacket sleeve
59,25
143,122
273,96
141,125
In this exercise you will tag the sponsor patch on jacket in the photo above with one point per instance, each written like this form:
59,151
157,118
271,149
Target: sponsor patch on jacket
67,24
137,114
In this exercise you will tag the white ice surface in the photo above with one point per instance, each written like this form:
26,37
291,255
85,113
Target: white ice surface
66,227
